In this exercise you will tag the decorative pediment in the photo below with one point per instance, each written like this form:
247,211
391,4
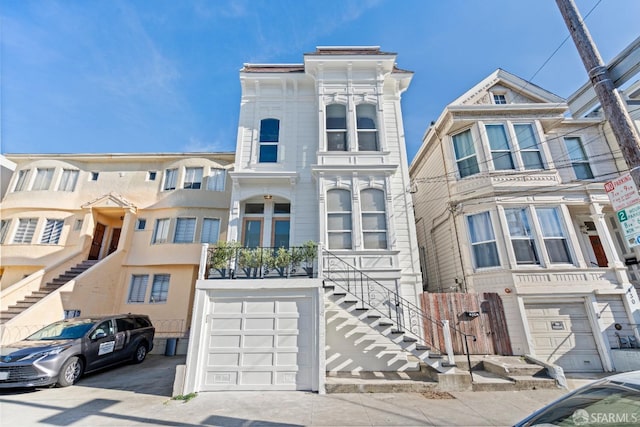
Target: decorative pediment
110,200
516,89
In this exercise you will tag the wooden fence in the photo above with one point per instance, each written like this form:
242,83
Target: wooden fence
479,315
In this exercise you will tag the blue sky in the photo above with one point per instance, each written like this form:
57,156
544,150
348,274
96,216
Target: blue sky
98,76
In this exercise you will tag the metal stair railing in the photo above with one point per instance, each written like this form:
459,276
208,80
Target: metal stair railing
371,294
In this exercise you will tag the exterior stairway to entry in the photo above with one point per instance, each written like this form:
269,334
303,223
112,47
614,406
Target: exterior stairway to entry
36,296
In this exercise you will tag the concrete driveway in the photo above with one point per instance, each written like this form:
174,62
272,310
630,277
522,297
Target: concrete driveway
139,395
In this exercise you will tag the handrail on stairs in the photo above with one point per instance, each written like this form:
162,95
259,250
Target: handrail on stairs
373,295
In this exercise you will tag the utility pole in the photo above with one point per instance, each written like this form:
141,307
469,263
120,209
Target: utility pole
612,104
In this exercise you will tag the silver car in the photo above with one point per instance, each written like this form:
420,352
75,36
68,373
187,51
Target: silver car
62,352
613,401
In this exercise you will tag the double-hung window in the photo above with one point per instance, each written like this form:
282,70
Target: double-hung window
68,180
465,153
161,231
22,180
4,227
52,231
159,289
26,228
170,179
185,229
43,179
336,127
578,158
500,150
216,180
522,239
483,240
269,137
366,124
374,221
192,178
339,219
555,239
528,144
138,288
210,230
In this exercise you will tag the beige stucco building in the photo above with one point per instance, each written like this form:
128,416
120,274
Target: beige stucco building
91,234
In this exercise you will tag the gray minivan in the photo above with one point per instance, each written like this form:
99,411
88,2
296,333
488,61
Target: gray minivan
62,352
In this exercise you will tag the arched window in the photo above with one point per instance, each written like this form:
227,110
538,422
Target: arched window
374,219
336,127
339,219
269,135
367,131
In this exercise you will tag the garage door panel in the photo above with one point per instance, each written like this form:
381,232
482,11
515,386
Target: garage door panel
227,307
258,341
270,342
224,359
224,341
258,359
259,323
225,324
258,307
561,334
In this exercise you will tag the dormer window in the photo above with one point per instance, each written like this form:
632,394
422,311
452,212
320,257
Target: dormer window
366,123
499,98
336,127
269,136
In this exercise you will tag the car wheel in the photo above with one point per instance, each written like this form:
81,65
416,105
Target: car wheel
140,354
70,372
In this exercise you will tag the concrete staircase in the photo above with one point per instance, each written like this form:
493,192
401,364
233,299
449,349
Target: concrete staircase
20,306
506,373
371,333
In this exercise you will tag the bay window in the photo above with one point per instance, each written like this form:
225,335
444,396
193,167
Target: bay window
522,239
500,150
339,219
336,125
483,240
366,126
465,153
374,221
554,236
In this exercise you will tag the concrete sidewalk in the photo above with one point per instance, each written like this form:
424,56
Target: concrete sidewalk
139,395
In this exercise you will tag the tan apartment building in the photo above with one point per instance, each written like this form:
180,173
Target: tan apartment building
91,234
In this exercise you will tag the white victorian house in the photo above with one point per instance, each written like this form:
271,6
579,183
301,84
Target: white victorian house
320,160
509,198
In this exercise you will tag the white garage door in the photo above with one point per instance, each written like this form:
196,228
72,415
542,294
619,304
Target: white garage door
562,335
259,343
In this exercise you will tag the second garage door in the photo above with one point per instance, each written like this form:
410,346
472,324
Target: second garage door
259,343
562,335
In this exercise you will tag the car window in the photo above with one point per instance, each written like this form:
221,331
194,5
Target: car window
62,330
125,324
142,322
606,404
105,328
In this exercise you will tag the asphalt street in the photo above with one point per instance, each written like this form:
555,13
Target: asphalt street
140,395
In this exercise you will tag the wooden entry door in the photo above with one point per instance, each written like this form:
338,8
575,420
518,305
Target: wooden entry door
115,238
598,250
96,244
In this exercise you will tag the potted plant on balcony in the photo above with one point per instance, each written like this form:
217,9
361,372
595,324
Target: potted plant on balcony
251,260
280,261
221,259
305,255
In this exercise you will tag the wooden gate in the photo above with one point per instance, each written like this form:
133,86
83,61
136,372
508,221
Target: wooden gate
480,316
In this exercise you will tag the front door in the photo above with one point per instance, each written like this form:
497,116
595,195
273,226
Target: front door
598,251
102,346
115,238
96,244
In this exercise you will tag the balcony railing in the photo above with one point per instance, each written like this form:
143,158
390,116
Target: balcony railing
230,261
